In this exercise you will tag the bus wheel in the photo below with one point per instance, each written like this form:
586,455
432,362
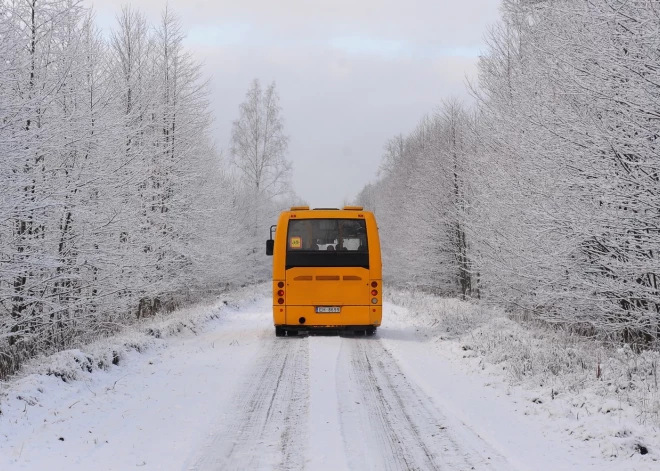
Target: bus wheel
371,332
279,332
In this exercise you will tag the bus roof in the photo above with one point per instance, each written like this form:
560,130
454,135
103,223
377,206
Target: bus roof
345,208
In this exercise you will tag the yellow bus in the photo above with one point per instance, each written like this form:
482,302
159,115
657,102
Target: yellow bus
327,271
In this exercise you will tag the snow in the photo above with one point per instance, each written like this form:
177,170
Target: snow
481,408
148,411
214,389
325,437
609,417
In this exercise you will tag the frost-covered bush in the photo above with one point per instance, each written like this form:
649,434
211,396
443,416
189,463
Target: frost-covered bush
451,316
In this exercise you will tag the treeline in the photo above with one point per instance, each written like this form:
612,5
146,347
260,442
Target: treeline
114,203
544,197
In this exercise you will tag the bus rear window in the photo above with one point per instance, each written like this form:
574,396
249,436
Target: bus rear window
327,234
327,242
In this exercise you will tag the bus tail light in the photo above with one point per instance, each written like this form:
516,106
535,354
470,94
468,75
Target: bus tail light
280,292
374,292
374,301
374,284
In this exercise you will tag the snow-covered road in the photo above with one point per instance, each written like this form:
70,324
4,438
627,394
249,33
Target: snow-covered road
236,397
337,403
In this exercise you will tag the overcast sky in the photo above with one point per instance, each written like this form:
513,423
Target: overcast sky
350,73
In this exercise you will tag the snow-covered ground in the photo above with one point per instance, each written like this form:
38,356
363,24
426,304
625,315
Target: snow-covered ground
224,393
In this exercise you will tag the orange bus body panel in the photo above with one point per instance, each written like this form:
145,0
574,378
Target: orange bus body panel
348,288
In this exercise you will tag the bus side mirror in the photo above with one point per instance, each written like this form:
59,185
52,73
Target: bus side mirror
270,244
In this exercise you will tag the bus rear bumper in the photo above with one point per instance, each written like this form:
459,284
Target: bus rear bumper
306,317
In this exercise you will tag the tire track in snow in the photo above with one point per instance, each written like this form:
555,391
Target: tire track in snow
267,428
389,423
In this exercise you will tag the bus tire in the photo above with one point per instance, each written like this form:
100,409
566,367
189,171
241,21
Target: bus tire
371,332
279,332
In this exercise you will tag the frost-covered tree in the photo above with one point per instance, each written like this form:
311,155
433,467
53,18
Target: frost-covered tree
259,145
258,157
114,202
557,208
420,202
571,118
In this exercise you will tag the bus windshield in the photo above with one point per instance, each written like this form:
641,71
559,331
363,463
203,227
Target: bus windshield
327,242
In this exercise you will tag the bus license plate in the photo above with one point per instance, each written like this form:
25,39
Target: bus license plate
327,309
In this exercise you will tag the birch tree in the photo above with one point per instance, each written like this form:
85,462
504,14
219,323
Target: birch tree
259,145
258,155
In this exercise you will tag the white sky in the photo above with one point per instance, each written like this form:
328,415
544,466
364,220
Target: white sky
350,73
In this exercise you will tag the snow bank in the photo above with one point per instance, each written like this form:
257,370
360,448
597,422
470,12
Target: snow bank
603,393
74,364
